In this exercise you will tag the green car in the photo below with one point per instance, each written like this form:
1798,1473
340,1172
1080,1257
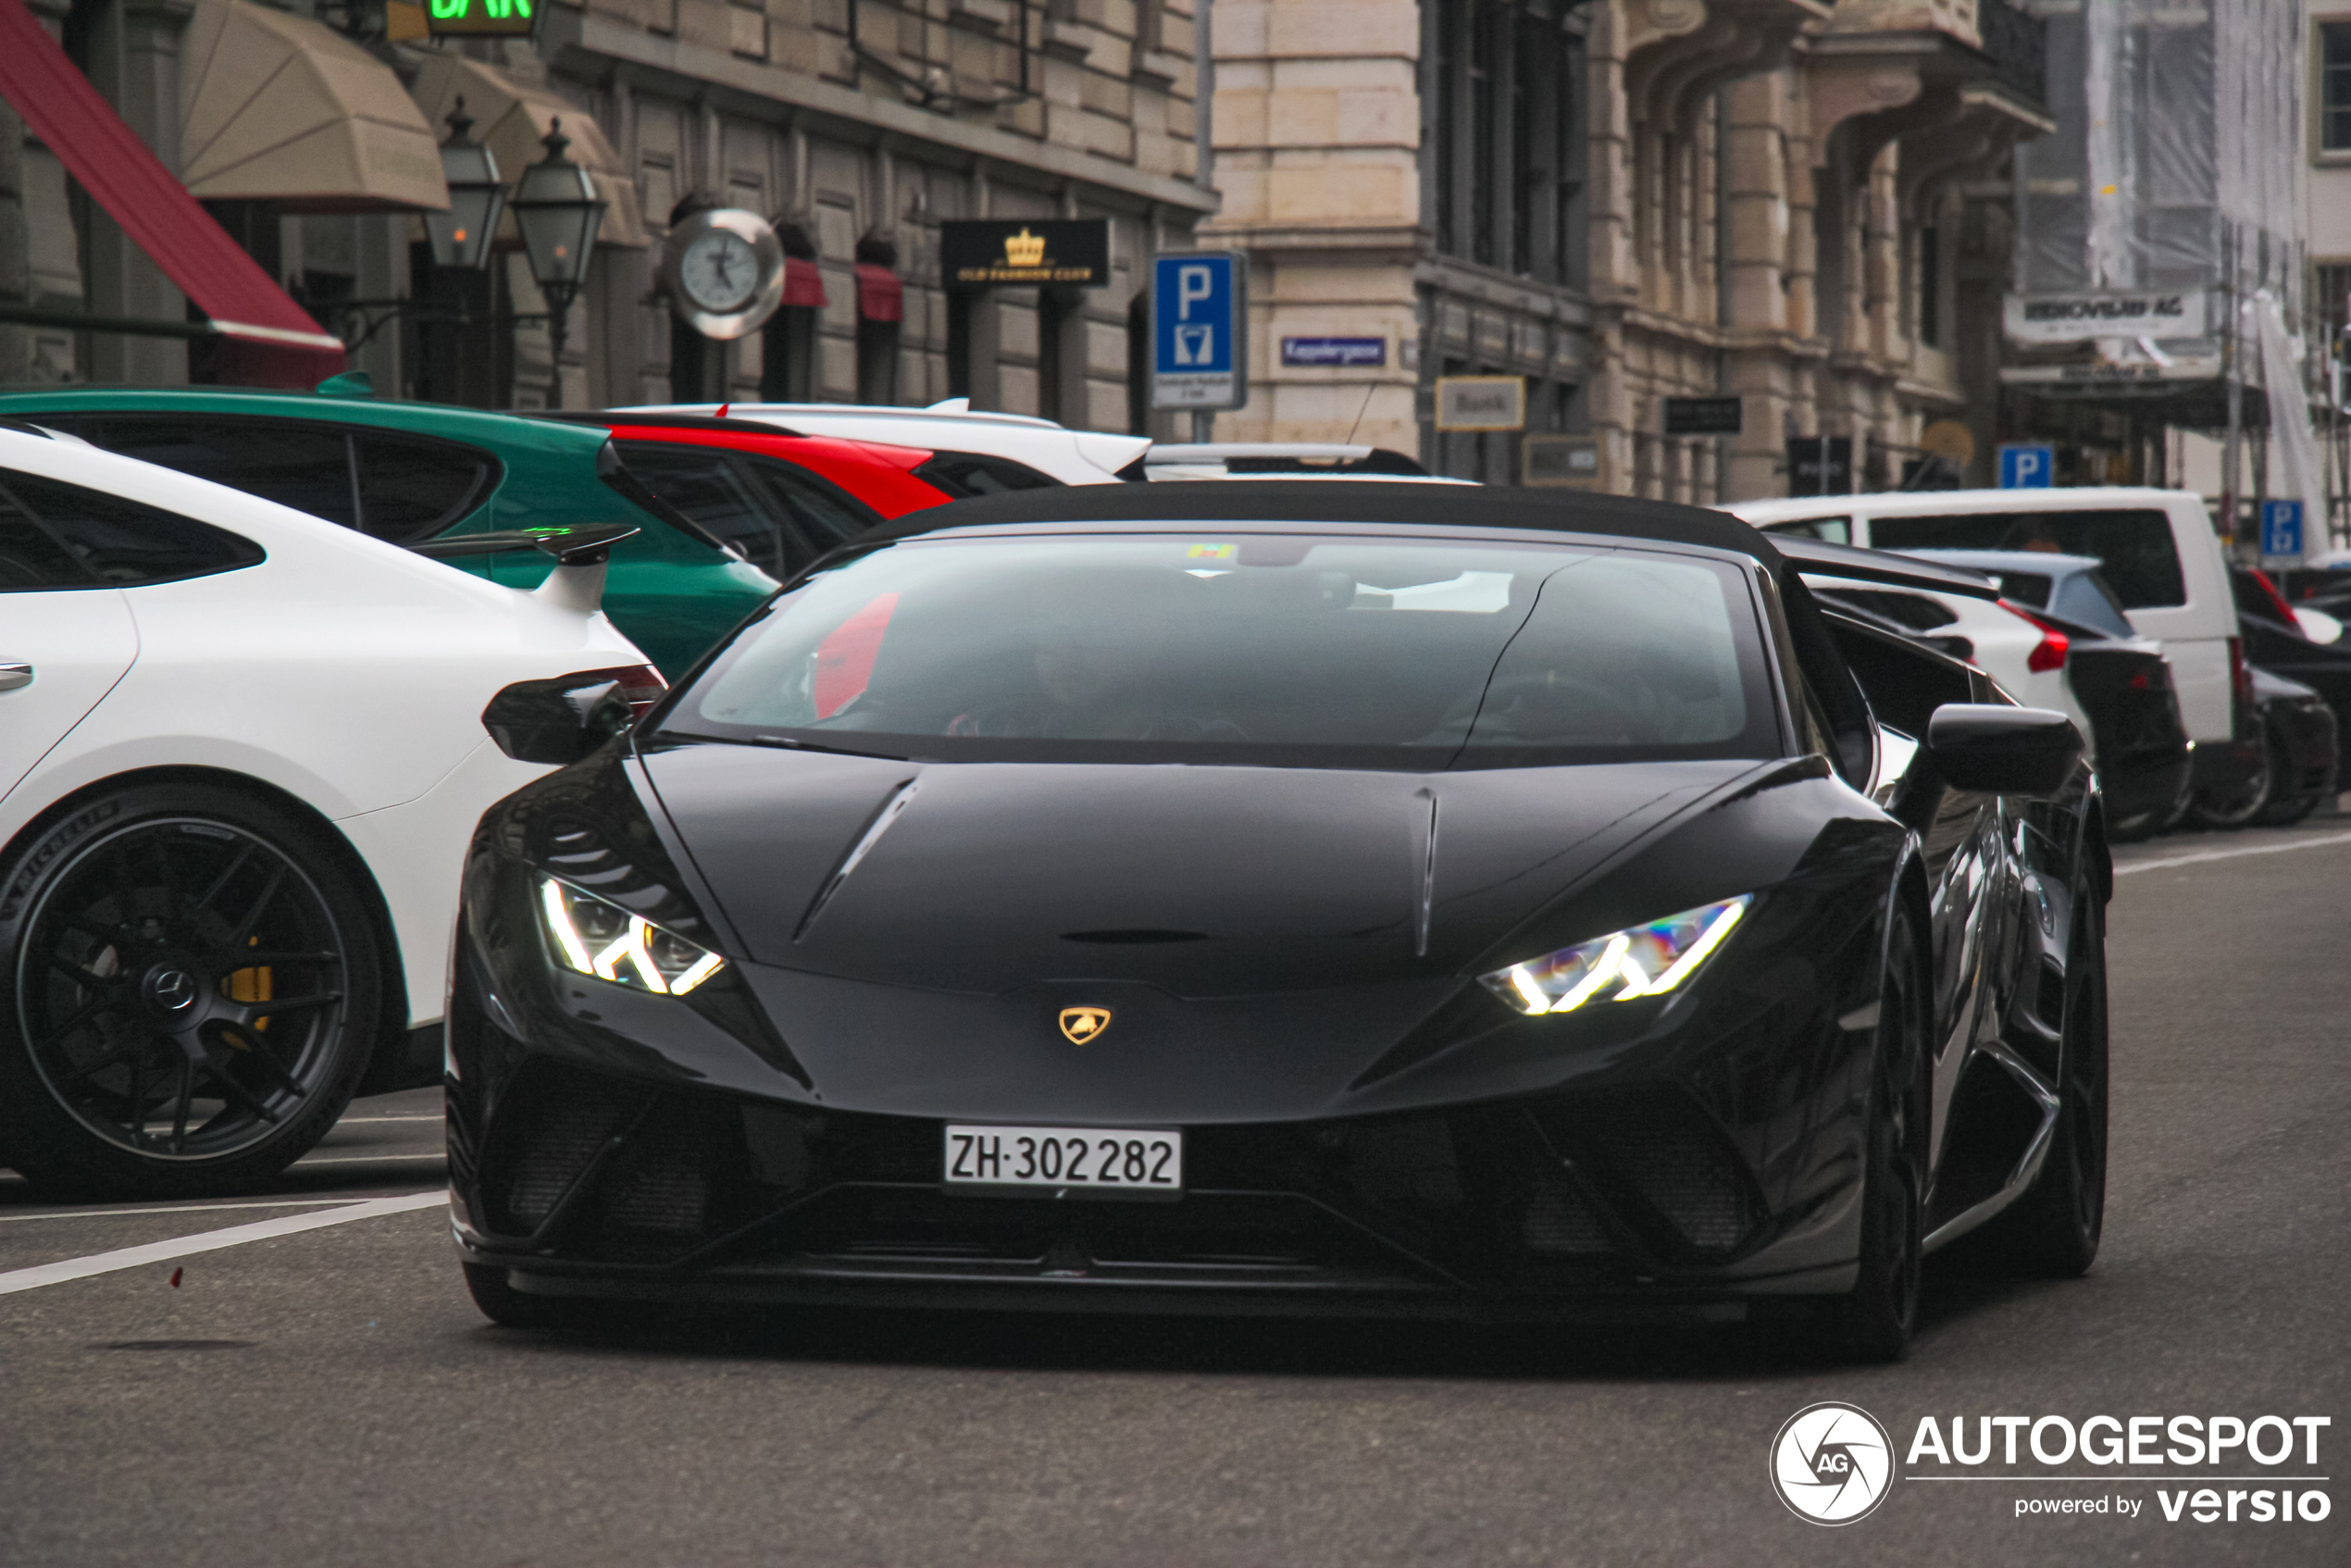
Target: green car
413,472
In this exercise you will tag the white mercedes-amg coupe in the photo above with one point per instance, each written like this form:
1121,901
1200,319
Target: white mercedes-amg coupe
242,751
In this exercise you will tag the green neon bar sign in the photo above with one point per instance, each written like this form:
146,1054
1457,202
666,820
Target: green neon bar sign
481,18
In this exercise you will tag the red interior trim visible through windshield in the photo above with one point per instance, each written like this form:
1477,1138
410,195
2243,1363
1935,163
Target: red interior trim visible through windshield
845,659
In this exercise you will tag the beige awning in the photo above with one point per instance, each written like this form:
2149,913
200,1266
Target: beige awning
509,118
280,108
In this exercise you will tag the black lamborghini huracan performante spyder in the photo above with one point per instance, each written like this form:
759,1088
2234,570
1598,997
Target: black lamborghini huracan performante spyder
1288,898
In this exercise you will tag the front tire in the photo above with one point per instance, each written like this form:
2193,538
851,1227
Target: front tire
505,1305
1874,1321
2239,803
197,986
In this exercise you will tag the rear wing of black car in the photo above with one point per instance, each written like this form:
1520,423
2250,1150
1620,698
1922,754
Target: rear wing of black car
1815,557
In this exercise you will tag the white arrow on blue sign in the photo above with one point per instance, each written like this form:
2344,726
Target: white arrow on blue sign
1200,320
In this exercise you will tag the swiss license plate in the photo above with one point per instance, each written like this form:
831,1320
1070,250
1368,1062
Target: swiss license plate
1100,1159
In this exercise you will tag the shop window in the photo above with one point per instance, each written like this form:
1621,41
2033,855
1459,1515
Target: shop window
1931,287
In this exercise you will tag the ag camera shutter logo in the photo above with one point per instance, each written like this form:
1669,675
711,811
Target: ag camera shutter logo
1832,1464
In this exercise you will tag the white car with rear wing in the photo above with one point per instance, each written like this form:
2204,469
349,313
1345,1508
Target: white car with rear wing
241,755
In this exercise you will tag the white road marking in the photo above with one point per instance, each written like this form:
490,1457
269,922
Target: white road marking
210,1241
188,1209
309,1160
2230,854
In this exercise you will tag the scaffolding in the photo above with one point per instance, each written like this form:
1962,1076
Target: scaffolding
2176,169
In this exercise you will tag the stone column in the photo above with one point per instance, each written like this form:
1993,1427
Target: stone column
16,250
135,63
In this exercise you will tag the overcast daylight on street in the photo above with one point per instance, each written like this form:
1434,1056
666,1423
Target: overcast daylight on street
1179,783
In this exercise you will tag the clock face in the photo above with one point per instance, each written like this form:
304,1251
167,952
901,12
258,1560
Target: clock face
719,272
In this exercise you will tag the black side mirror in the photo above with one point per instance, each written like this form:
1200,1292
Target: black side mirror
561,720
2003,751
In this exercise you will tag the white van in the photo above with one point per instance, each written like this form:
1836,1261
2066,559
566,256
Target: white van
2157,548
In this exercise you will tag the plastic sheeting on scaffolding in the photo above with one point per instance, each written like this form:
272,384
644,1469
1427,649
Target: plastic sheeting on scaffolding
2174,176
2294,444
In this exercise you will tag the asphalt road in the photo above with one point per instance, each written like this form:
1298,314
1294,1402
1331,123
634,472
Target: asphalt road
330,1397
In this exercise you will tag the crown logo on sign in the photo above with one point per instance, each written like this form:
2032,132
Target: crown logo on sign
1024,249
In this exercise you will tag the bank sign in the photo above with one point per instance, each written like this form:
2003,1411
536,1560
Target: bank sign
2077,318
481,18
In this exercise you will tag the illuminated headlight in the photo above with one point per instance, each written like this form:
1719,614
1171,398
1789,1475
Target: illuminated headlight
1639,961
596,936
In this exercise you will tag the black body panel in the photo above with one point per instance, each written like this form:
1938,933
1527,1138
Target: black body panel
1290,960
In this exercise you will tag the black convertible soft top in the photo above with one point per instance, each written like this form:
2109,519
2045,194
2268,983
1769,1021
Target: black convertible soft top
1460,507
1343,501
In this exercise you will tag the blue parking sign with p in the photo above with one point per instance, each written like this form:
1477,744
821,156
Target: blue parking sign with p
2281,532
1197,322
2028,465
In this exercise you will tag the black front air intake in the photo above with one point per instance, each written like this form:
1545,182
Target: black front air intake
1560,1221
536,1151
1657,1162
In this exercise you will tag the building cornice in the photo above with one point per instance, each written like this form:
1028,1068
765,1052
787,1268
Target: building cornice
587,46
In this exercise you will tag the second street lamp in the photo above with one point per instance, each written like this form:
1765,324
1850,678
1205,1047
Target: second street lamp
558,211
461,236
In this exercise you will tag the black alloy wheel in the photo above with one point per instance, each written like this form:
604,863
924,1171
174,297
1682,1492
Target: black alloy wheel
198,988
2236,804
2052,1232
2285,810
1874,1321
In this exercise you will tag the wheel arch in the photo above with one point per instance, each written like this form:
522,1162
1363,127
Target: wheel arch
393,1024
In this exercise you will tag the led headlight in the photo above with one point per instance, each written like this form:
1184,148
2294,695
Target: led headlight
597,937
1638,961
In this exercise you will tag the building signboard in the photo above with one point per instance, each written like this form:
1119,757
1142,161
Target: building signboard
1481,403
986,253
481,18
1704,415
1323,353
1569,461
2105,313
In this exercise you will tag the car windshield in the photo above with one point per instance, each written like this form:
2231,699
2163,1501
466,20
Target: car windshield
1274,650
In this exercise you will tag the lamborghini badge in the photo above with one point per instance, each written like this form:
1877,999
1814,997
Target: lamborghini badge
1082,1023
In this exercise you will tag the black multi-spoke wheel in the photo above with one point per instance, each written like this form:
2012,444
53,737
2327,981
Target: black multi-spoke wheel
2234,805
196,991
1872,1322
2053,1230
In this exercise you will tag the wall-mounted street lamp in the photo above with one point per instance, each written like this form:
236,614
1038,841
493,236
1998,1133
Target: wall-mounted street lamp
556,206
461,236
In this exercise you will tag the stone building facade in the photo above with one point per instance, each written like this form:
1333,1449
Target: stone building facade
866,123
858,124
1622,201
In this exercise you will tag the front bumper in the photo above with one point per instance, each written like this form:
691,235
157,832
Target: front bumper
748,1143
1622,1201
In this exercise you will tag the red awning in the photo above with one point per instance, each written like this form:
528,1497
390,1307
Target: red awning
880,296
271,341
804,284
